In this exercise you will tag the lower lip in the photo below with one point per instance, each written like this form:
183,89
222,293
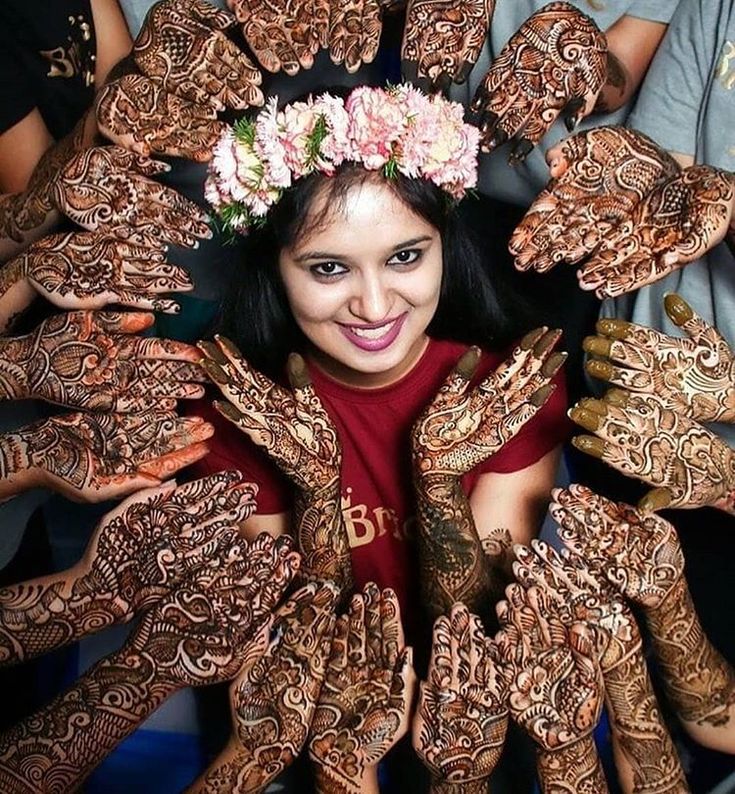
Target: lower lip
375,345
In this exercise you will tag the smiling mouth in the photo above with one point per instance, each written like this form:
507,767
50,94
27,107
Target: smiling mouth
373,337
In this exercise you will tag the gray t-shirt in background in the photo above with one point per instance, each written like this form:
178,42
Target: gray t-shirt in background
687,105
521,184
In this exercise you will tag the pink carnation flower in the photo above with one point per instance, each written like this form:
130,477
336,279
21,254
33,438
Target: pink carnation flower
270,147
376,122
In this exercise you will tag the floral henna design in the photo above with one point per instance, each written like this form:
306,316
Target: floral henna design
90,270
442,39
556,60
679,221
198,635
284,34
89,457
599,176
459,429
695,375
138,553
183,44
354,31
638,553
462,714
108,187
136,112
90,360
296,432
363,707
640,436
275,694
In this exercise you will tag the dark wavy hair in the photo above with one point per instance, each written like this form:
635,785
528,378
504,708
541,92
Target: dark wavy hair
473,307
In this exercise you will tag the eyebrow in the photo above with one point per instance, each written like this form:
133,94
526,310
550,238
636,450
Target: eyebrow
327,255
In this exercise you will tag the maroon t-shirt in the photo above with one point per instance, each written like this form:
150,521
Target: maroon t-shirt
374,427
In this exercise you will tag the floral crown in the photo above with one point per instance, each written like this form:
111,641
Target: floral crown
397,129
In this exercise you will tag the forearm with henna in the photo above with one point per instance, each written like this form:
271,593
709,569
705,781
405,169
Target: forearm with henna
439,786
453,564
575,767
699,681
25,217
642,735
322,537
56,748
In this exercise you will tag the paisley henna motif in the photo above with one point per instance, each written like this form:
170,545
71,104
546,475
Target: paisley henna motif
108,187
91,360
296,432
599,176
442,39
556,60
677,222
462,714
90,270
639,435
137,113
364,703
183,44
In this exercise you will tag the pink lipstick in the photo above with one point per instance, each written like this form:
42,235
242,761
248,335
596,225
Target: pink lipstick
374,336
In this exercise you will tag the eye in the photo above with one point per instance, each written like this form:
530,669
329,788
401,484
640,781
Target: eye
328,269
405,257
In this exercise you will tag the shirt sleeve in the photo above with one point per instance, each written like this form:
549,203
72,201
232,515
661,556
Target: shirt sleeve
546,430
232,449
653,10
671,96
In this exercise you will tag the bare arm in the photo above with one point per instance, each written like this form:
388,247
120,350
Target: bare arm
632,43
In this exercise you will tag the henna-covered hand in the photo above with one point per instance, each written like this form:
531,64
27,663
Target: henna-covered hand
354,31
694,375
556,61
137,554
555,692
462,427
677,222
274,696
364,704
138,113
642,437
184,45
462,713
109,187
598,177
90,270
638,553
296,432
284,34
443,38
93,361
95,457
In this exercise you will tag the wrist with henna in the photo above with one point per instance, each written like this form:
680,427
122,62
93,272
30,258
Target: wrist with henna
453,564
327,780
56,748
440,786
322,537
575,767
698,680
640,729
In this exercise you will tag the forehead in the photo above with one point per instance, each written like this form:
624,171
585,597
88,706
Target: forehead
368,212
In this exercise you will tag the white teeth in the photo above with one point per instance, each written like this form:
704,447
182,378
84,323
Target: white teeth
373,333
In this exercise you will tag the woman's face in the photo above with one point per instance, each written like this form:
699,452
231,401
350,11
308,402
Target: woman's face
364,284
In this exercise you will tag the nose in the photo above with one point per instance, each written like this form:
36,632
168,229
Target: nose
373,298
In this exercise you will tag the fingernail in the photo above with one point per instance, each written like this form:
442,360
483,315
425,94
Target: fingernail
618,329
212,351
617,397
552,364
520,151
215,372
596,345
467,365
589,420
600,369
540,396
657,499
678,309
589,445
298,374
530,339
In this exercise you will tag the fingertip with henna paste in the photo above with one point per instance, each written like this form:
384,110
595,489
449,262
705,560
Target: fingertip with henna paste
553,364
597,345
599,369
463,72
617,397
540,396
590,445
589,420
467,364
212,351
530,339
678,310
227,410
215,372
656,499
618,329
520,151
298,372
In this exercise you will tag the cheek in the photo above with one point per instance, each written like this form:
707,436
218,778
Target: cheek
312,303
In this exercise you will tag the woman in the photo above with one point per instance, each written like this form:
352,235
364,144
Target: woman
368,274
